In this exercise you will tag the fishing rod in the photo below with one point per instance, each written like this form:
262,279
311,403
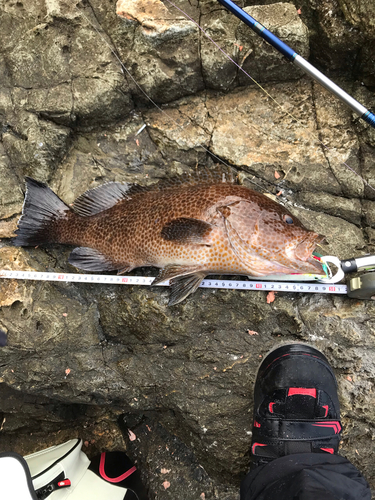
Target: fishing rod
299,61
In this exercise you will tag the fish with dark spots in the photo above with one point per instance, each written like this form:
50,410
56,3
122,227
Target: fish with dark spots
188,227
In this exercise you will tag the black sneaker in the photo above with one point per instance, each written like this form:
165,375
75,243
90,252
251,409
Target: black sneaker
296,407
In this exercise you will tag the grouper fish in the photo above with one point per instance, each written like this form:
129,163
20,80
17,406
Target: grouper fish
188,227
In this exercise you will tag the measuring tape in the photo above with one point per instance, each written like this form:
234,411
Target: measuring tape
276,286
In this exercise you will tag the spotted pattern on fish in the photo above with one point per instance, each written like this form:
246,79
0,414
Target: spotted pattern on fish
184,229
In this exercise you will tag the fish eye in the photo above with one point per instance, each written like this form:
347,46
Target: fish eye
288,219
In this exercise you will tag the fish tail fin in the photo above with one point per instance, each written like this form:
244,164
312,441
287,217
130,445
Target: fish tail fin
41,212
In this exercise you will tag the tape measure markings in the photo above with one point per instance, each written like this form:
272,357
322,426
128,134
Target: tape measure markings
277,286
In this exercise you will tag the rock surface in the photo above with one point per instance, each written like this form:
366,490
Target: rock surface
96,360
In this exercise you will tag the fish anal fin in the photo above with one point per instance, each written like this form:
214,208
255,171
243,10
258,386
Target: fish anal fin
174,271
126,269
186,230
90,259
183,286
101,198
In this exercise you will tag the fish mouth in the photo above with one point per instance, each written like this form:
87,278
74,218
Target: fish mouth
303,252
305,248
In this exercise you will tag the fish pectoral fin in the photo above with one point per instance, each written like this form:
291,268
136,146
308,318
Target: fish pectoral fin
173,271
186,230
90,259
182,286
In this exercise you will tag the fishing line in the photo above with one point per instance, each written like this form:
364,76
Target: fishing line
206,283
122,65
262,88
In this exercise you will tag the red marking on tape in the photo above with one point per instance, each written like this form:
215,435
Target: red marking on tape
332,288
258,285
125,280
60,276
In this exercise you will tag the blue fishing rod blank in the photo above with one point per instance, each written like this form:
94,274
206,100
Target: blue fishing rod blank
299,61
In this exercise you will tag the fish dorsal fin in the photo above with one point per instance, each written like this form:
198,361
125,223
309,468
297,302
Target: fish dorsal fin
101,198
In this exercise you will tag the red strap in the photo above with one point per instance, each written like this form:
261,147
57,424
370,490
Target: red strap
293,391
328,450
113,479
335,425
255,445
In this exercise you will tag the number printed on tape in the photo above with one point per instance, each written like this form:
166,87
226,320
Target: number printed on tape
143,280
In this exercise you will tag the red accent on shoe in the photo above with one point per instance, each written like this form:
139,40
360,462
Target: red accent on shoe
283,356
256,424
113,479
270,407
301,390
255,445
328,450
333,425
64,484
326,409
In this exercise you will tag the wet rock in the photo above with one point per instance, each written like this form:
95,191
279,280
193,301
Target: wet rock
259,129
360,14
10,193
35,426
3,338
61,68
36,147
169,466
80,355
164,54
369,212
334,41
347,208
12,291
338,140
259,59
7,227
334,228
